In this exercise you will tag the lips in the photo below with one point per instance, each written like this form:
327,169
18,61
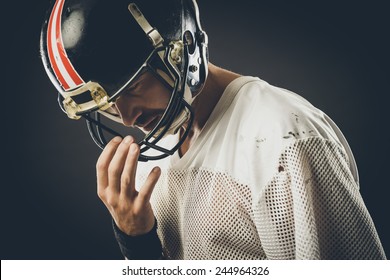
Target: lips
152,124
149,124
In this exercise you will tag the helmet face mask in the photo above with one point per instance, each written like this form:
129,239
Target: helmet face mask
176,106
167,57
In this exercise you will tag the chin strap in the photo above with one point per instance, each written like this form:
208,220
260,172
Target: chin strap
152,33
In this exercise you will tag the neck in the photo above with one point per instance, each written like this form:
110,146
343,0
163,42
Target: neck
203,105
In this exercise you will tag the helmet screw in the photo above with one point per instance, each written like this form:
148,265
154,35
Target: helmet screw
193,82
193,68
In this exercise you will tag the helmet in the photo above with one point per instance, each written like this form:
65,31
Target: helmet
93,50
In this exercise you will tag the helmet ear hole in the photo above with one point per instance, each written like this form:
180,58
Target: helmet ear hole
189,41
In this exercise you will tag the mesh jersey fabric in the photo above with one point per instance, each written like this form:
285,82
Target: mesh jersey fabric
269,177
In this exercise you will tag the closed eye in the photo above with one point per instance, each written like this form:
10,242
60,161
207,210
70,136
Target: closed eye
112,111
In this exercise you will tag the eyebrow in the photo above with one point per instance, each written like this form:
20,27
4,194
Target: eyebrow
133,84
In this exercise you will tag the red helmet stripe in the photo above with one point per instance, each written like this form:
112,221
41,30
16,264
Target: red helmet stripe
50,35
62,67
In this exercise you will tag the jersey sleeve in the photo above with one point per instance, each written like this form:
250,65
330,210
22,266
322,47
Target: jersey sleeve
312,208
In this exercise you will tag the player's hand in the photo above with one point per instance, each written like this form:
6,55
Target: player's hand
116,169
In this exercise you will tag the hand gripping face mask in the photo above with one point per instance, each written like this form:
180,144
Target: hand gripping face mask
93,50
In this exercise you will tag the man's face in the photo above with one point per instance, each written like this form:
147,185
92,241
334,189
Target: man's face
143,103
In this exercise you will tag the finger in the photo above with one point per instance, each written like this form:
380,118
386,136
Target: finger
147,189
117,163
129,171
104,161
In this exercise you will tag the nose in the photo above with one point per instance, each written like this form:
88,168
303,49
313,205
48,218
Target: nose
127,112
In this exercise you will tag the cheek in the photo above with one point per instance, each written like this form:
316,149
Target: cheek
158,97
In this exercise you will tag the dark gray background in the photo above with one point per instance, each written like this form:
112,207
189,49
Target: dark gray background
334,53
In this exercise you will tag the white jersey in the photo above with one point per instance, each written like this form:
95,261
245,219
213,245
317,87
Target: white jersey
269,177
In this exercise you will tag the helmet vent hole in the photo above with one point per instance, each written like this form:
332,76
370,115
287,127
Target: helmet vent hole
189,41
